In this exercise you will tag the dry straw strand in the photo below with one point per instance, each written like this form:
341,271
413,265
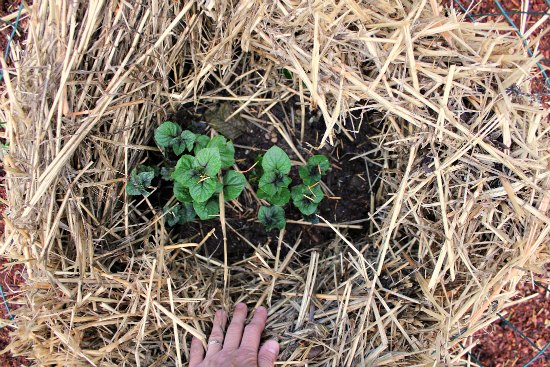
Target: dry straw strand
458,213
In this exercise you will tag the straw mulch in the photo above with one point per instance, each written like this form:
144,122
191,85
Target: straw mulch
459,216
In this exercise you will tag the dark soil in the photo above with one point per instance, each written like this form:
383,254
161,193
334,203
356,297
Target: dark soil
347,180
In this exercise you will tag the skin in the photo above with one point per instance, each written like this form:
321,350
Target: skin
240,346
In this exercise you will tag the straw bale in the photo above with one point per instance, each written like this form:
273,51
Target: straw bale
459,217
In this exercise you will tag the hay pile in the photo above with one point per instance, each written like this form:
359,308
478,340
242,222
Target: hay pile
459,216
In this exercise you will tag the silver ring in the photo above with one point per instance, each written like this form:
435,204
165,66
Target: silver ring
214,341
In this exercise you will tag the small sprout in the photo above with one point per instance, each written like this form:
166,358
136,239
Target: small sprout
273,182
272,217
316,167
307,198
140,181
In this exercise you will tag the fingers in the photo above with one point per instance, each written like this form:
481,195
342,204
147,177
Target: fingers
196,354
253,331
268,354
215,342
235,330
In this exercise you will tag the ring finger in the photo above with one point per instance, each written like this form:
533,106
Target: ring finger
215,341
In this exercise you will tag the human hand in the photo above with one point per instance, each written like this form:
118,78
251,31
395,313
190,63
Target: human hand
240,347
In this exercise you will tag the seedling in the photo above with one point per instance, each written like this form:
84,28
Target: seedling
307,196
273,184
273,187
140,180
272,217
315,168
201,173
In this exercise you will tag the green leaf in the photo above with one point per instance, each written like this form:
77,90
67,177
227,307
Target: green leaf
144,168
166,133
233,184
201,142
226,149
312,218
263,195
280,198
272,217
135,190
203,190
316,166
273,181
140,180
307,198
166,173
275,159
184,169
209,160
208,209
287,73
182,193
179,214
219,187
184,142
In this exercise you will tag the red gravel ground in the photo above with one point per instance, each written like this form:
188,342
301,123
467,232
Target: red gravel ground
10,275
499,345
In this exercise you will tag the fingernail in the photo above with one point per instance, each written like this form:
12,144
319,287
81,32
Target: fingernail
261,309
240,306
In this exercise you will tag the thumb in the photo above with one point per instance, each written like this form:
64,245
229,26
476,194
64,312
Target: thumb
268,354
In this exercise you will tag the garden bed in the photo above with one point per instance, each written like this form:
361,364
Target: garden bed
438,178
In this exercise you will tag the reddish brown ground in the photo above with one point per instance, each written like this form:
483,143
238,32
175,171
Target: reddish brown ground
499,345
10,275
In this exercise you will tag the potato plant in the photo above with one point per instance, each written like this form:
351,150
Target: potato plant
202,171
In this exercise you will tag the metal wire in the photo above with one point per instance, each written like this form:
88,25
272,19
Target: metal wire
541,352
520,333
5,302
506,14
12,35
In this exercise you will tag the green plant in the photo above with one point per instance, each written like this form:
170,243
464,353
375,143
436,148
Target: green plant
273,187
199,175
307,196
140,180
272,217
